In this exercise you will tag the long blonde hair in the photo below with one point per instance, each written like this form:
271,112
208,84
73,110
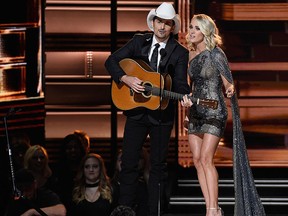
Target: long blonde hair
104,181
40,175
210,31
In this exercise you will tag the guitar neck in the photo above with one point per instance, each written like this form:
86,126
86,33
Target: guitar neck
171,95
164,93
177,96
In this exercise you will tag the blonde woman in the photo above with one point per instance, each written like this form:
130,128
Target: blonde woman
210,74
36,159
92,193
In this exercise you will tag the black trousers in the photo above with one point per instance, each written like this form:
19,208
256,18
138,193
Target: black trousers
135,134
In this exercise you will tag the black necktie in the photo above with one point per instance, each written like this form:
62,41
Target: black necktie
154,58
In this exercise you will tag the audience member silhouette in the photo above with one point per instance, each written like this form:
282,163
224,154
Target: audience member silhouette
74,147
20,142
34,200
142,192
92,193
123,211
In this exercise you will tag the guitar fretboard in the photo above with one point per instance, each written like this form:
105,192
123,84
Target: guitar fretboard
177,96
164,93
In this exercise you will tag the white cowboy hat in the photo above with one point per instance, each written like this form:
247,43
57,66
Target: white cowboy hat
164,11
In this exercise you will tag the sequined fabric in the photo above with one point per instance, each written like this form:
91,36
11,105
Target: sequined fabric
247,201
205,71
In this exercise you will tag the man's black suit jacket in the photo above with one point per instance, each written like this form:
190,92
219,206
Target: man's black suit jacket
174,63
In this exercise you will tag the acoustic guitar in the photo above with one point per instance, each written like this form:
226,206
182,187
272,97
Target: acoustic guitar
157,89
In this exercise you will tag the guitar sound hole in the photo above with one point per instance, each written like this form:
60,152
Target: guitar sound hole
148,87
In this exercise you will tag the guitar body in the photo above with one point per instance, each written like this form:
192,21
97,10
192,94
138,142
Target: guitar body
155,85
125,98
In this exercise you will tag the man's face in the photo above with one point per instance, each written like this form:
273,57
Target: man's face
162,28
73,151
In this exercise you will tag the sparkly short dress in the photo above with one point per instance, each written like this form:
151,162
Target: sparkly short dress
205,71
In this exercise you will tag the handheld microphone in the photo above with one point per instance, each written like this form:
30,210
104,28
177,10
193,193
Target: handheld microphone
163,53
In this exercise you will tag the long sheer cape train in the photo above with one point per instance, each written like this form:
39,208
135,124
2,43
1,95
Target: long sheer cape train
247,200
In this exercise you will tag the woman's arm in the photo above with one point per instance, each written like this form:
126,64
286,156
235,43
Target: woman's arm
56,210
229,87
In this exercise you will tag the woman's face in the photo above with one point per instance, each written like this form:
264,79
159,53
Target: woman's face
195,35
91,170
38,161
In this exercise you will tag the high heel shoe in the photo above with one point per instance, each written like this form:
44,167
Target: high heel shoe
221,211
214,210
217,210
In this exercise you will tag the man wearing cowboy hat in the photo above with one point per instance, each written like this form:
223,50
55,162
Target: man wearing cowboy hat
141,122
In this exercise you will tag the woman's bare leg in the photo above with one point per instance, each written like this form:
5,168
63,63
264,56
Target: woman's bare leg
208,149
195,143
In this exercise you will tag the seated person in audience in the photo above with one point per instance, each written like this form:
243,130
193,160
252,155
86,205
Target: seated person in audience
34,200
74,147
92,193
20,142
36,159
85,139
142,192
123,211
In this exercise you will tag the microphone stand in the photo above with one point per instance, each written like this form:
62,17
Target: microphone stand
16,192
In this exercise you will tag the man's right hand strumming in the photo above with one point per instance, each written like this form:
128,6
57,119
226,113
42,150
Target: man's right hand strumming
133,82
